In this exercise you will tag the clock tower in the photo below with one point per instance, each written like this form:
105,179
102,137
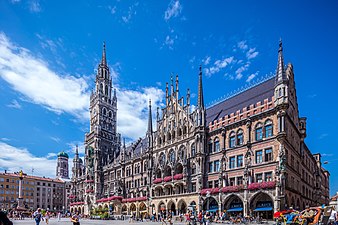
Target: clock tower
102,142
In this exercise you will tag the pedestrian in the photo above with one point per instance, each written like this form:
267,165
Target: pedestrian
75,219
333,217
47,216
207,218
59,216
37,216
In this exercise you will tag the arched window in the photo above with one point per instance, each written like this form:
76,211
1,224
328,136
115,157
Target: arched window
210,147
232,139
106,90
145,166
193,169
216,145
181,153
104,111
101,88
110,114
193,150
239,137
172,156
259,132
179,133
268,131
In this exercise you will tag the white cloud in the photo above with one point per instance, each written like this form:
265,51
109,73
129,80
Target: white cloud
14,104
51,155
242,45
31,77
56,139
252,53
133,110
173,10
218,66
15,159
131,11
112,10
252,76
206,61
34,6
240,70
80,146
170,41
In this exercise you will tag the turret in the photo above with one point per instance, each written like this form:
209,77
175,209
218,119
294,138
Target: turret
200,102
281,80
150,127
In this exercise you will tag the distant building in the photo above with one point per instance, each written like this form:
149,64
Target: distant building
334,201
38,192
62,170
246,154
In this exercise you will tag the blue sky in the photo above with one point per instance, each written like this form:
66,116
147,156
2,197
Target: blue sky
49,51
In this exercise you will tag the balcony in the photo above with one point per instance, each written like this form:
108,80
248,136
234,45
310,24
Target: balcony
262,185
228,189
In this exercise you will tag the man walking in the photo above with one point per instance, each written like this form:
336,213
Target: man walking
37,216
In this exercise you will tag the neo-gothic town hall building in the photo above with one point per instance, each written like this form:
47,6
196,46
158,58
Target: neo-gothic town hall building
246,154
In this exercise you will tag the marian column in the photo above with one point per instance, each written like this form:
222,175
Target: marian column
20,198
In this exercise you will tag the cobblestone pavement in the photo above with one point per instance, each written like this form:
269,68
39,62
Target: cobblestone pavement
67,221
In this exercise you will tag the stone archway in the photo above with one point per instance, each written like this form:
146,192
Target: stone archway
262,205
142,208
172,207
233,204
124,210
132,208
161,208
178,168
210,204
182,207
167,171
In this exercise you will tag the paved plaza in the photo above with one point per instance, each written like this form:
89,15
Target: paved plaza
98,222
87,221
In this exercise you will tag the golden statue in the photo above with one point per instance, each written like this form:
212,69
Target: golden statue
20,173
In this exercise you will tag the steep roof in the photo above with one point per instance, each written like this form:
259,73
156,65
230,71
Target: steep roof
258,93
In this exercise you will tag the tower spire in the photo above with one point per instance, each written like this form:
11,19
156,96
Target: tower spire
77,151
150,120
103,60
200,102
280,73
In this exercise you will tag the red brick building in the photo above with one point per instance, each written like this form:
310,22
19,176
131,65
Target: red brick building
245,155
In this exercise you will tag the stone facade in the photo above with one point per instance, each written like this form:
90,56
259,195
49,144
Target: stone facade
245,154
37,192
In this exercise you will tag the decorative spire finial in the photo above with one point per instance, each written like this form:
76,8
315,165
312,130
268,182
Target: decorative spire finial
104,61
280,73
150,120
77,149
200,102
